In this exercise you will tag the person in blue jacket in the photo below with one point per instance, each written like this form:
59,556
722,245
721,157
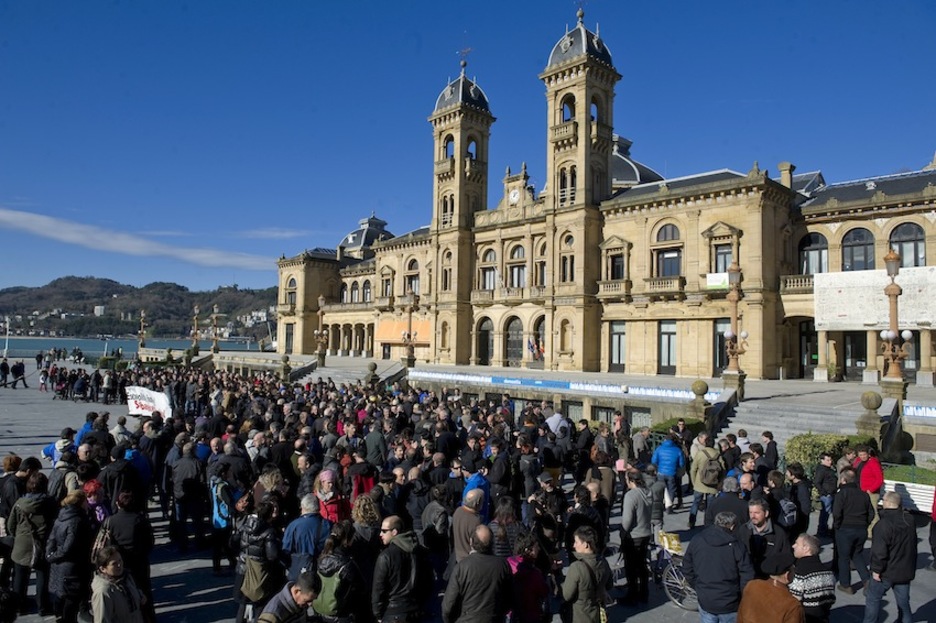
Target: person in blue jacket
669,460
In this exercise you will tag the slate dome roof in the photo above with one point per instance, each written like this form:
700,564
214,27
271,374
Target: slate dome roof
370,230
464,91
579,42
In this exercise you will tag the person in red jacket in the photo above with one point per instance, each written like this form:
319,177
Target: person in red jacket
870,478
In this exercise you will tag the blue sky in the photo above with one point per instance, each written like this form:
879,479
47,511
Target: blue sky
198,141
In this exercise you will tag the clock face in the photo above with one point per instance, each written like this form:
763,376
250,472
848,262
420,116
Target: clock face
514,196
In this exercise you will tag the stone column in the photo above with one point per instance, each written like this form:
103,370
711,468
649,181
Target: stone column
871,375
821,372
924,376
368,341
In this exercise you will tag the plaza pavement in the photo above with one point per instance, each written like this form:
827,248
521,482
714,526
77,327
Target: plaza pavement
187,592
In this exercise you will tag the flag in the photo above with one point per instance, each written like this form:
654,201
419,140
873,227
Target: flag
532,348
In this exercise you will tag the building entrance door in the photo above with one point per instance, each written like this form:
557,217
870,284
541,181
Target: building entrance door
485,342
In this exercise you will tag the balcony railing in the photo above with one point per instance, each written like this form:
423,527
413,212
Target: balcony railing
286,309
384,303
796,284
482,297
511,295
565,131
445,167
601,131
539,293
665,285
617,288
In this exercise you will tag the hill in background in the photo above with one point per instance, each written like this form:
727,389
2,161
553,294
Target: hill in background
66,306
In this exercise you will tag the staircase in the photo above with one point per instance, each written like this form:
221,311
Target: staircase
350,371
786,421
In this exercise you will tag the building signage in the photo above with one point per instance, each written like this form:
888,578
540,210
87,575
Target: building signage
911,409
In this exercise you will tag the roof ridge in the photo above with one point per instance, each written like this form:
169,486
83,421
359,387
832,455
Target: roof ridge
689,177
872,178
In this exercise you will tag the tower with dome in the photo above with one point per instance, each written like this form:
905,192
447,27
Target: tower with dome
609,267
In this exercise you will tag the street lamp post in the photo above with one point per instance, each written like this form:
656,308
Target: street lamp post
195,330
735,342
142,328
892,383
321,336
409,337
214,329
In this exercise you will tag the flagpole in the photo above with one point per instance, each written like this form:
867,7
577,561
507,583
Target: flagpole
6,345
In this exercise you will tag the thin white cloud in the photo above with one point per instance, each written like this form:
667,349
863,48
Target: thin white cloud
273,233
167,233
99,238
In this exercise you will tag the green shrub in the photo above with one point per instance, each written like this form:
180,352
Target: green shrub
696,426
805,449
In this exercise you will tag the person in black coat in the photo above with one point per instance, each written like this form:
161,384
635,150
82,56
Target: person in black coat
825,480
132,535
893,559
480,587
68,552
717,565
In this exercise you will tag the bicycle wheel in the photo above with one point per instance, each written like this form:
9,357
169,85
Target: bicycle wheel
678,589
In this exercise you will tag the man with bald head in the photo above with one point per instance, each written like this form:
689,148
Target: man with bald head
480,587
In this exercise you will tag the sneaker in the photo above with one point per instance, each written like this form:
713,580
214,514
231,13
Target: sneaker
845,589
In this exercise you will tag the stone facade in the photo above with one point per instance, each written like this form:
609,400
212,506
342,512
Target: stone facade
609,267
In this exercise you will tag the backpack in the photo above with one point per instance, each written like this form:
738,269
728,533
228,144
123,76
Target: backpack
326,604
788,511
57,487
712,472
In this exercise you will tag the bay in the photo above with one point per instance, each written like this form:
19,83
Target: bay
28,347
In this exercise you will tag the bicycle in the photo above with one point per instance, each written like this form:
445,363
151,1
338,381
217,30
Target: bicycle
665,562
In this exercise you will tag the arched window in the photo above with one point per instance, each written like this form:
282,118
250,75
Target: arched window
563,187
446,271
567,259
344,293
595,111
366,292
517,267
485,345
667,253
573,184
909,241
668,232
568,108
813,254
412,276
472,151
858,250
513,344
355,293
488,278
448,147
291,291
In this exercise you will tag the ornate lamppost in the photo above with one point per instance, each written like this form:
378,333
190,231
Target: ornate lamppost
893,384
142,328
735,342
214,329
409,337
321,336
195,330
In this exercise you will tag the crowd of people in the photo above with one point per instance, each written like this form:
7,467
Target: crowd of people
355,504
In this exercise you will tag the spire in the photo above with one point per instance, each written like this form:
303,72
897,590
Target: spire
580,14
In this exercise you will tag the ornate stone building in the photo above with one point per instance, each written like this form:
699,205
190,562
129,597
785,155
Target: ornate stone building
609,267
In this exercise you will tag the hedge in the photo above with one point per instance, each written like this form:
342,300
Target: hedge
806,449
695,426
